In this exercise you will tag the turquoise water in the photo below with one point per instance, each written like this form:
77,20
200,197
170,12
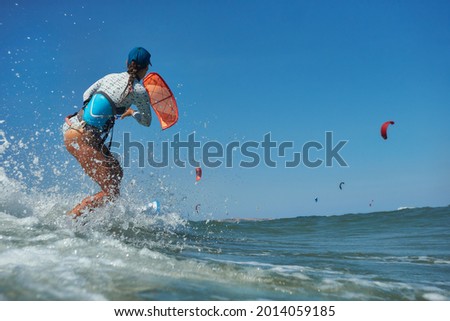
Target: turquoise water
123,254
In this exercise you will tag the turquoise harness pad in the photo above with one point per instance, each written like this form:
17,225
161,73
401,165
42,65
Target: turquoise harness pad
98,111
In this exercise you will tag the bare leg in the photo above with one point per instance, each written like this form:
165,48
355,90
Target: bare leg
91,202
100,165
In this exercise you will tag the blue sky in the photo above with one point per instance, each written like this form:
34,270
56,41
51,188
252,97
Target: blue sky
241,69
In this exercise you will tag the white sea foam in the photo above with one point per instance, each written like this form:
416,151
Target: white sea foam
405,208
4,143
435,297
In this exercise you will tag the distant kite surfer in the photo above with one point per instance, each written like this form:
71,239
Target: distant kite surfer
85,132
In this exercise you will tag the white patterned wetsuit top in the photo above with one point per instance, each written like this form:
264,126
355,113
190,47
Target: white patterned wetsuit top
114,85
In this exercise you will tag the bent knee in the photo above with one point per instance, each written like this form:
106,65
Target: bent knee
112,192
72,146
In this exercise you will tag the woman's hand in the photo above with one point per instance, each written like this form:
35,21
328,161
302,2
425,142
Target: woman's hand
128,113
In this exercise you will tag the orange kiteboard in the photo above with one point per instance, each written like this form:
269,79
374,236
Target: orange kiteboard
162,100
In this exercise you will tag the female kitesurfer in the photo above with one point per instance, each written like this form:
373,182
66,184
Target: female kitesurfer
85,132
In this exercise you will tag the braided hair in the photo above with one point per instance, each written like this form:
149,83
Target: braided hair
132,71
